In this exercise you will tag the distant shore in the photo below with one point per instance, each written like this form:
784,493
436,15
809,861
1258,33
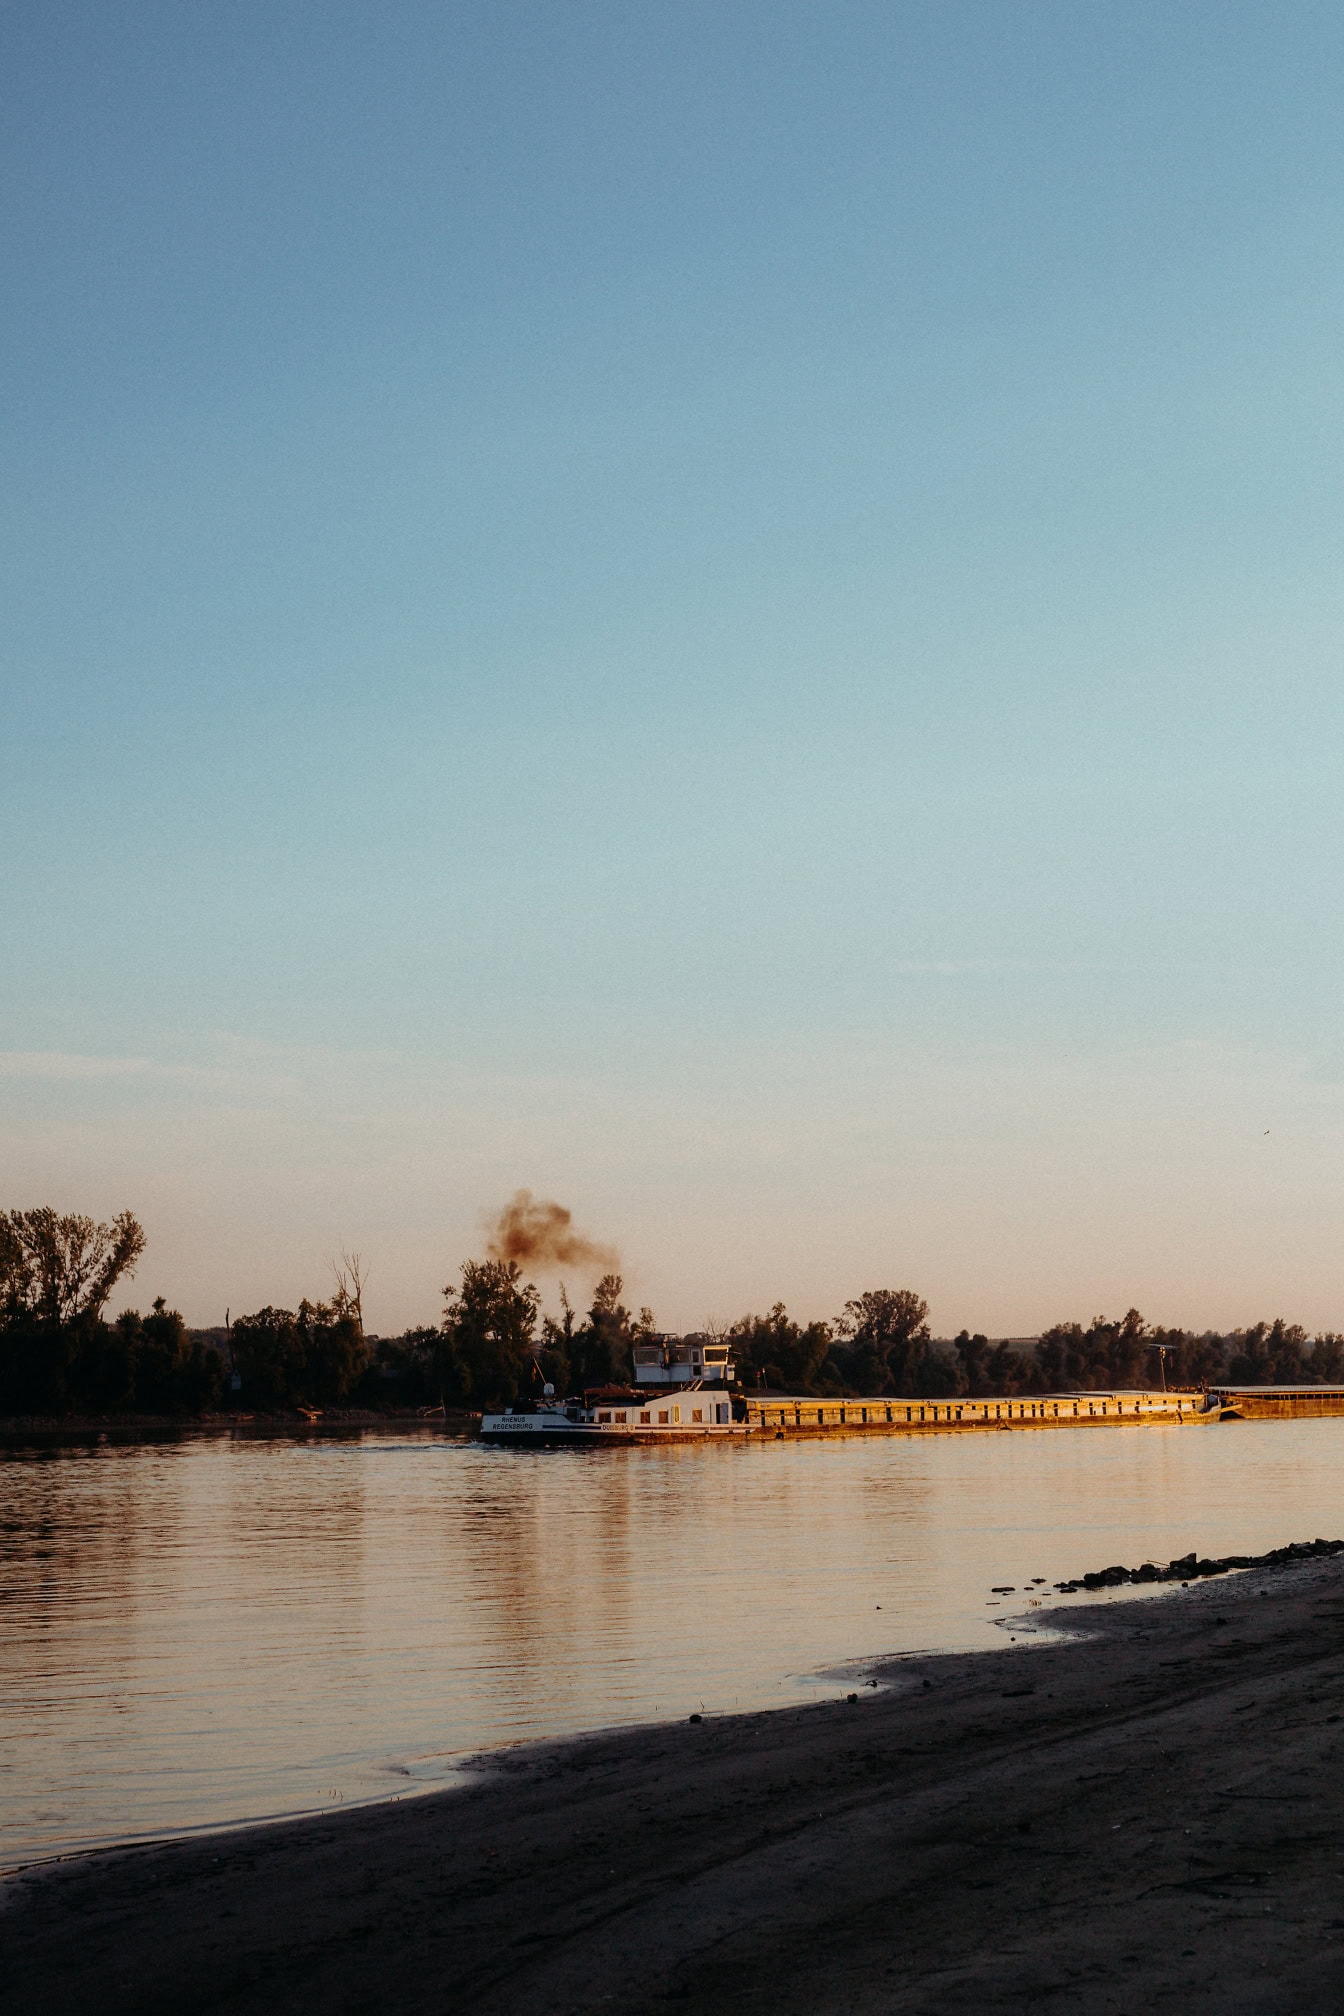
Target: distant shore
14,1427
1146,1816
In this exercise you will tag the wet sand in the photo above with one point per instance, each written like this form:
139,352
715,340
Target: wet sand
1151,1816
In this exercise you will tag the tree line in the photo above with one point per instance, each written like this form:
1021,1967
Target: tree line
59,1354
881,1345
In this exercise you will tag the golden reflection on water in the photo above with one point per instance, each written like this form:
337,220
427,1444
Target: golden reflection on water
228,1626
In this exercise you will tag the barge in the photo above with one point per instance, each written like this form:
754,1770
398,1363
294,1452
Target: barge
683,1392
788,1417
1275,1403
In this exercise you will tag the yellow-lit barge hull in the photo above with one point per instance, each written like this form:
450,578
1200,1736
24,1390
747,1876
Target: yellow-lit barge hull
785,1417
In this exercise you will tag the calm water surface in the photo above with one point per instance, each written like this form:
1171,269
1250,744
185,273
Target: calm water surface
222,1627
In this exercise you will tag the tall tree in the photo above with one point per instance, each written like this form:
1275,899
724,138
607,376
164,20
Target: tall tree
333,1350
313,1354
268,1354
973,1352
775,1351
167,1370
490,1323
351,1278
887,1330
556,1354
56,1274
600,1350
58,1267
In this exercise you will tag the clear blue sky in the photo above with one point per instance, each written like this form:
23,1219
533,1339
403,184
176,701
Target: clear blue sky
729,612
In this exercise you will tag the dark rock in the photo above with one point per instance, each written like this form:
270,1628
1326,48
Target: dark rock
1106,1578
1190,1568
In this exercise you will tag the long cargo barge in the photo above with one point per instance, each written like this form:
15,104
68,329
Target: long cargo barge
685,1391
696,1412
787,1417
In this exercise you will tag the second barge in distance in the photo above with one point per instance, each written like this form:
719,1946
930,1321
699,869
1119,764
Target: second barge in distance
1275,1403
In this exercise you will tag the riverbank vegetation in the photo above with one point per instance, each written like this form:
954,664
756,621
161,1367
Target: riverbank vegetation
61,1355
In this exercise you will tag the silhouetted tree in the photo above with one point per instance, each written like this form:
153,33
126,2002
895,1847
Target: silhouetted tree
162,1368
1327,1358
311,1356
268,1357
974,1355
556,1354
775,1351
600,1350
886,1331
56,1274
54,1268
489,1326
350,1276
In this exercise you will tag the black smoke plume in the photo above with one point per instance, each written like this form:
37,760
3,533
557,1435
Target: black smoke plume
540,1235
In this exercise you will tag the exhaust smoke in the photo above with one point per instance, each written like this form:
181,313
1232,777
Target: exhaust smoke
540,1235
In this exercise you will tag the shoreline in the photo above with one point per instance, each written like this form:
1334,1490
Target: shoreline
1142,1812
49,1427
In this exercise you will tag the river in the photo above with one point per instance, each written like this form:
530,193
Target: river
225,1626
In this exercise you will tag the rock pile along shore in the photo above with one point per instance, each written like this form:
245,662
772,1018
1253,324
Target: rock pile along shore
1188,1568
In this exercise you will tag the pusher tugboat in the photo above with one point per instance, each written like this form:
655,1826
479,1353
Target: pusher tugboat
682,1392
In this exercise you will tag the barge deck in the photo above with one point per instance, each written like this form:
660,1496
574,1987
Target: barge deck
785,1417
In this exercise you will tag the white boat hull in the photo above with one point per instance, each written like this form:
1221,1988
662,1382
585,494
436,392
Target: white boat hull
688,1418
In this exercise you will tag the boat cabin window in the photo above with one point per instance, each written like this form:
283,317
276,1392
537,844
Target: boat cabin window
662,1416
697,1414
645,1418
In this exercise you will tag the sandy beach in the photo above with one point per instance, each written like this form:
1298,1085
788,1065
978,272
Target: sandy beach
1145,1816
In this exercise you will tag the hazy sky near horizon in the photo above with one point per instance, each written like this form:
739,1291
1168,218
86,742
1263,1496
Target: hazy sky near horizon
728,612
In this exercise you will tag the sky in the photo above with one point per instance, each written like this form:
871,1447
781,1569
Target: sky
731,613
